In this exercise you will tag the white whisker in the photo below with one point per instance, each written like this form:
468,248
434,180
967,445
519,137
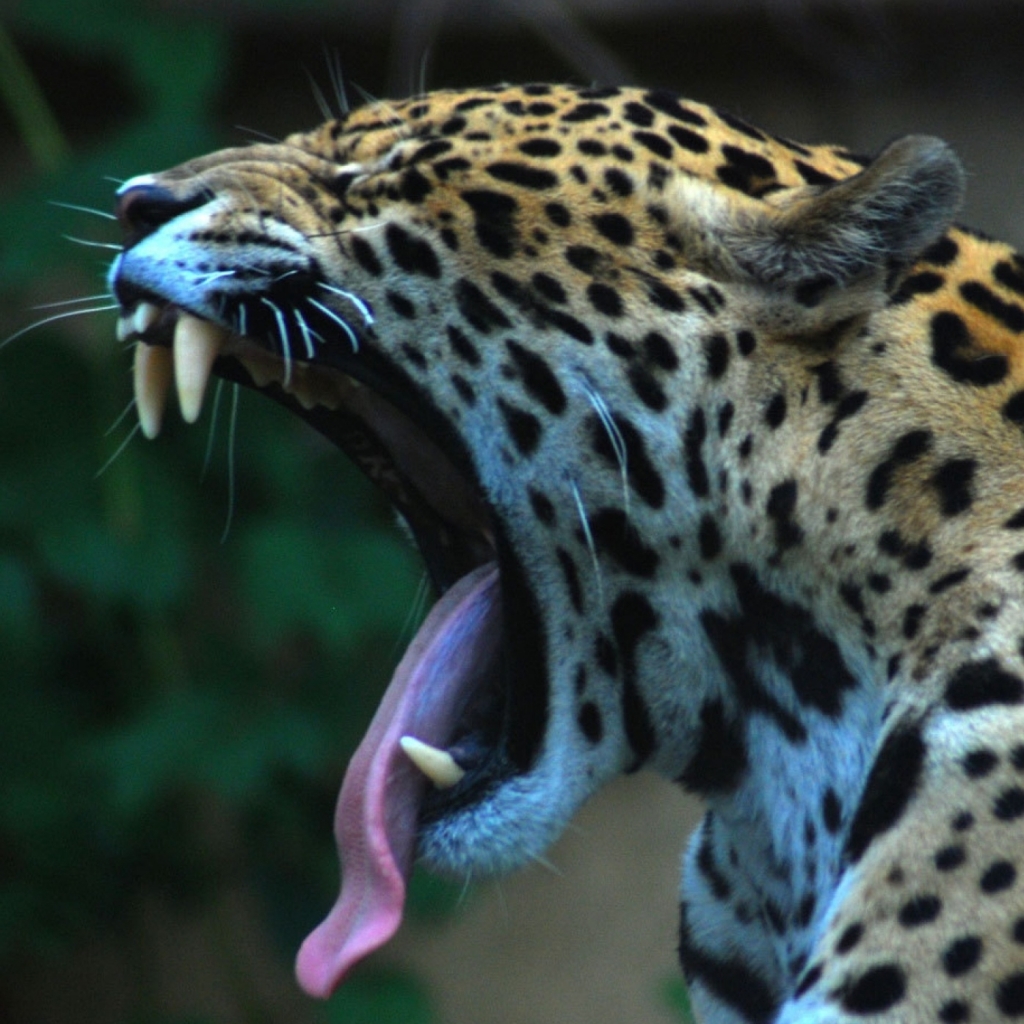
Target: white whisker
232,425
318,97
120,418
282,330
218,391
499,890
365,95
253,201
55,317
545,863
387,110
611,428
212,275
360,304
72,302
120,448
83,209
351,229
585,523
413,616
252,268
307,334
257,134
467,884
424,61
339,321
337,82
93,245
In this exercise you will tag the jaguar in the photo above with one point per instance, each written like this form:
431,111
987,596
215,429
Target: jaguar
712,444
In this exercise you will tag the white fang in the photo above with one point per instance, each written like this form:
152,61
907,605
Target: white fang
438,765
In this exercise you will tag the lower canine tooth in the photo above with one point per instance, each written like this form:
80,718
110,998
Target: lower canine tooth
438,765
197,344
153,371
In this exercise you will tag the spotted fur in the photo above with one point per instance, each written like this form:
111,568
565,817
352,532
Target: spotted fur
743,419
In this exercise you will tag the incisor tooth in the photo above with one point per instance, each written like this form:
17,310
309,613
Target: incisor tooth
153,372
261,371
438,765
146,314
197,344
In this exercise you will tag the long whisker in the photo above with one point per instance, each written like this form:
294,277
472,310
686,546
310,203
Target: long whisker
120,448
547,864
611,428
212,275
360,304
386,109
83,209
282,330
307,334
467,884
92,244
120,418
257,134
585,523
218,391
424,61
55,317
318,97
350,229
414,615
232,425
339,321
72,302
337,81
365,95
252,268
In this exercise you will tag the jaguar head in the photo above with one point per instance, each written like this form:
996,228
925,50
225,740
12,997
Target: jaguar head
510,345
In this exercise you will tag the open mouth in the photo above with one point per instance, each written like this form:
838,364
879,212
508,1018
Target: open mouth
440,740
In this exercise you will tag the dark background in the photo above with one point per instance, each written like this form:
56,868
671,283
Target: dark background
193,633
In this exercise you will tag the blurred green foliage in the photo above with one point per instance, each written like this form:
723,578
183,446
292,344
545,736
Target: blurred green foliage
676,999
177,705
193,632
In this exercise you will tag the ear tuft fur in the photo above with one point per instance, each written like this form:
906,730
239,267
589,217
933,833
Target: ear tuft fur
862,226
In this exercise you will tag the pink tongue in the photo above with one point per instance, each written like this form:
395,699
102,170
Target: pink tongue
375,820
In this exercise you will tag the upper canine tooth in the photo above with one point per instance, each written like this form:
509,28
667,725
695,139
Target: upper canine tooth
438,765
146,314
197,343
153,371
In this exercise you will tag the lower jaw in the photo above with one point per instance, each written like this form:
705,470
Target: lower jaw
478,826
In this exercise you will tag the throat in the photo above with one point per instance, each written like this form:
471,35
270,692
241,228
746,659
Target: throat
764,866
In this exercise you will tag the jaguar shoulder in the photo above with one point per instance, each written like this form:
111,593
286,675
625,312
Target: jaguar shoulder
712,443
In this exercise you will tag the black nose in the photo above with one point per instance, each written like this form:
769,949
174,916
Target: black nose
142,209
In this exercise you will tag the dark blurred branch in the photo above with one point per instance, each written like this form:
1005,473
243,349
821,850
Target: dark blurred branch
849,40
416,25
580,48
28,107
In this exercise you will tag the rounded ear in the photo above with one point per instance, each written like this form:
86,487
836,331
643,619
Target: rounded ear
872,222
811,257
